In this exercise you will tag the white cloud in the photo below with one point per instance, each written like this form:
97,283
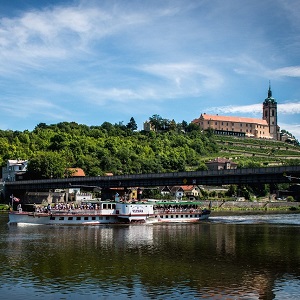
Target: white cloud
289,108
287,71
241,110
24,108
186,74
60,33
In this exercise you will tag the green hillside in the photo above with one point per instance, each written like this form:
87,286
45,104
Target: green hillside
259,152
120,149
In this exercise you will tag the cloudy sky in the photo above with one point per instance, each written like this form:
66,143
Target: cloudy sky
93,61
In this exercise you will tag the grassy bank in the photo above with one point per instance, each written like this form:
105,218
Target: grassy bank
4,207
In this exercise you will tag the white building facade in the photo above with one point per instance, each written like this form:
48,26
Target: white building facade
12,168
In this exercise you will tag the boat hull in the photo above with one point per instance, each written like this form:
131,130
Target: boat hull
95,218
61,219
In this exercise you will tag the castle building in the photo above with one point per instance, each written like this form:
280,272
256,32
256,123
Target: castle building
266,127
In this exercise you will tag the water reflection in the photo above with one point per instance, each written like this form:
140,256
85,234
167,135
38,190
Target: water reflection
259,218
232,260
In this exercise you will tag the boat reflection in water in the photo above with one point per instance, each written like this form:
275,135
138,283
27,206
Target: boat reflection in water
215,259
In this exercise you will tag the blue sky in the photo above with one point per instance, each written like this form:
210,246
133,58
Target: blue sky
94,61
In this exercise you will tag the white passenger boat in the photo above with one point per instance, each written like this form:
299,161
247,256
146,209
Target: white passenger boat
109,212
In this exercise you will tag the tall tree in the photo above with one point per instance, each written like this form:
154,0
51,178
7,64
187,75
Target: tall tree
132,124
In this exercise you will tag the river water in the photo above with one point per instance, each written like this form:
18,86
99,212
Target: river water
244,256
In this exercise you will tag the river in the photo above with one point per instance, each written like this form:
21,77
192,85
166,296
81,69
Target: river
241,256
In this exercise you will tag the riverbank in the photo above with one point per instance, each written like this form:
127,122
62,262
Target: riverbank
249,205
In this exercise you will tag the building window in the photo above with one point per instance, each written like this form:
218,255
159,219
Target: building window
273,113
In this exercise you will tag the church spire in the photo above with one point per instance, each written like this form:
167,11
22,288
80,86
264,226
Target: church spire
269,91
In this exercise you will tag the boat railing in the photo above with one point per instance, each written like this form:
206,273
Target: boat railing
178,210
82,212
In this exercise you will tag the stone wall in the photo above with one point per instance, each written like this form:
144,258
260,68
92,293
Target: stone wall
250,205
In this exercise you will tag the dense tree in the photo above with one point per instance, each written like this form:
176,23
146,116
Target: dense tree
132,124
156,121
47,165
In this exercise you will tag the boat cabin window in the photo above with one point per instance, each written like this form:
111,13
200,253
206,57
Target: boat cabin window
86,218
70,218
78,218
108,206
93,218
61,218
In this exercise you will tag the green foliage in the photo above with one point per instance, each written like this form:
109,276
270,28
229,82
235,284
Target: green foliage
290,199
132,124
47,165
120,149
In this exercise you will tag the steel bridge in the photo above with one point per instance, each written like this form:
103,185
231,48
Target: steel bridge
267,175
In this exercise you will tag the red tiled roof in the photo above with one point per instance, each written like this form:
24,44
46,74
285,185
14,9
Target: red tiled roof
187,187
76,172
207,117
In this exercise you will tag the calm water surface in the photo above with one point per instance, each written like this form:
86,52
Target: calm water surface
227,257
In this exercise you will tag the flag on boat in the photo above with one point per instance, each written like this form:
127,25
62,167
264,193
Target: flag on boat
14,198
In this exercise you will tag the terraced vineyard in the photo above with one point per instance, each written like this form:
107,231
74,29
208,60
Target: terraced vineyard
259,151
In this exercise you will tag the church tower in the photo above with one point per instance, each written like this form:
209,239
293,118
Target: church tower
270,114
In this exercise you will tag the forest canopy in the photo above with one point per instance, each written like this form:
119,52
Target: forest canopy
113,148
